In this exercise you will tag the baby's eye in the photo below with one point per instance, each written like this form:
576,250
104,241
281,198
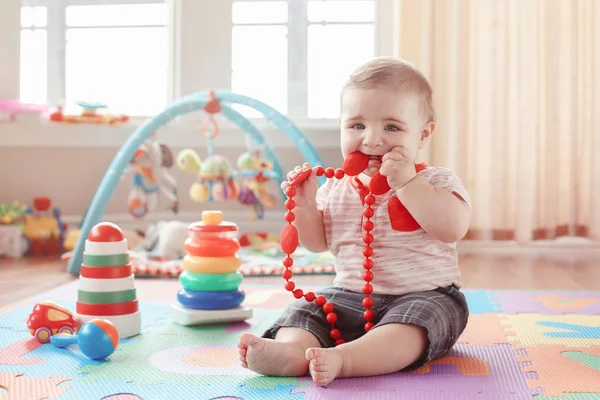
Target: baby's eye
392,128
358,126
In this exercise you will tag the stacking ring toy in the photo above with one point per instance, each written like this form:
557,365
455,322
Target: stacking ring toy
210,282
218,247
210,300
211,265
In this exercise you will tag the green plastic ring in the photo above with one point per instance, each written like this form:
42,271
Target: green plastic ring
113,260
210,282
123,296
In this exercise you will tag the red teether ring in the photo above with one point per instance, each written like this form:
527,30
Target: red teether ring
300,178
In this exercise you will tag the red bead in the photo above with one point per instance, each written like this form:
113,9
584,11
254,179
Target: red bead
339,173
368,264
321,301
290,191
331,317
288,262
329,172
368,213
367,288
288,239
310,296
369,315
320,171
289,216
368,326
370,199
368,302
339,341
290,204
286,274
327,308
368,251
368,238
335,334
368,276
368,225
298,293
289,286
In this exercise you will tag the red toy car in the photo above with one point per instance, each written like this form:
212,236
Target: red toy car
49,318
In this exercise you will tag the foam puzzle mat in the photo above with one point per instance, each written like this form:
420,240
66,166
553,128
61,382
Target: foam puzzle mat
518,345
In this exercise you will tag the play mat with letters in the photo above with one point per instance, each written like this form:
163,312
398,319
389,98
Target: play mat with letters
518,345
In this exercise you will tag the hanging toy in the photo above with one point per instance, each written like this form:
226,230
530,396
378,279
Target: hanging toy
149,165
353,165
215,175
255,191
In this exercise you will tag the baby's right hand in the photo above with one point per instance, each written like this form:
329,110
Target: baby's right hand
306,192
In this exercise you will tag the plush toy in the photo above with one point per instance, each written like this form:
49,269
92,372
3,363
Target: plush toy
255,190
149,166
166,239
214,176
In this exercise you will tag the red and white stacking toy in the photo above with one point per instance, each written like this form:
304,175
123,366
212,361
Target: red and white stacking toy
106,282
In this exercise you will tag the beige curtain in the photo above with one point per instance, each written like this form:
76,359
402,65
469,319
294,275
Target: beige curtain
517,86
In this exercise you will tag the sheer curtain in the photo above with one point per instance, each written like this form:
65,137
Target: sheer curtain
517,86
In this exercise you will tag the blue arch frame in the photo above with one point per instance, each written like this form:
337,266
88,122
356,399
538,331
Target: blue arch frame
190,103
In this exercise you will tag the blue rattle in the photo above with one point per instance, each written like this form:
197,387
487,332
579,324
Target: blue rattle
97,339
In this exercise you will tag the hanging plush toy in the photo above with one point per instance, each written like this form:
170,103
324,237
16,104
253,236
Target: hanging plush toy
255,190
214,176
149,165
214,179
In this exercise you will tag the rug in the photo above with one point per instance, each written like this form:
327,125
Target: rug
255,262
518,345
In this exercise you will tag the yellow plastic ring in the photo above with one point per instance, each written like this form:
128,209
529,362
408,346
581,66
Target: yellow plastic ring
211,265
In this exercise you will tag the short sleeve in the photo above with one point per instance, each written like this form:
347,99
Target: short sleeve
446,179
322,194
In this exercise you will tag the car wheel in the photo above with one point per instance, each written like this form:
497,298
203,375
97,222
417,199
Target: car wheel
43,334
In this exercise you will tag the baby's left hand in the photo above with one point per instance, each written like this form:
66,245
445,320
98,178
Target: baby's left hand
397,166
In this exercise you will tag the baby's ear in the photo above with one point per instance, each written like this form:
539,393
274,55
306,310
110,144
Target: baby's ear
427,133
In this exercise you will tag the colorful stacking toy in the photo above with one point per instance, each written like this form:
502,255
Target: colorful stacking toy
106,283
210,283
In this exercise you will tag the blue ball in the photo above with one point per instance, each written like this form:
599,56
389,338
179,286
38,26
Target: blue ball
94,342
223,300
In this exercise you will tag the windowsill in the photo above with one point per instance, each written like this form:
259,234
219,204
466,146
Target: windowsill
36,132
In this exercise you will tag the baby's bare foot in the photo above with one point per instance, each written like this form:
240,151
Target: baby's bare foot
324,364
270,357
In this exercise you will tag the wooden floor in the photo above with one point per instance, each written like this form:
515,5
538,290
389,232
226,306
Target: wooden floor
25,277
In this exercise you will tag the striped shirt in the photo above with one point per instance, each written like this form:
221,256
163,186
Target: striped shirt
406,258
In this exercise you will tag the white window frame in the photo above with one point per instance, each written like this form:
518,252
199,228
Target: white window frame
56,30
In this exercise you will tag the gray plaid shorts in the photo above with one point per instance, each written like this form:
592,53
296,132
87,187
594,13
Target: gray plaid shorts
443,312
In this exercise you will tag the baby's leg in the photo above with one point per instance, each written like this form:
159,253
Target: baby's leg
282,356
414,329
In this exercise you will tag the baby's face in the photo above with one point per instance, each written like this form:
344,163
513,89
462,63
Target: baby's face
374,121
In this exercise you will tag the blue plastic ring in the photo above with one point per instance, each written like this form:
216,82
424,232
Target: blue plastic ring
210,300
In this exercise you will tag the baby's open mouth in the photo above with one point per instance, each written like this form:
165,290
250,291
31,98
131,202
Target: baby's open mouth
375,157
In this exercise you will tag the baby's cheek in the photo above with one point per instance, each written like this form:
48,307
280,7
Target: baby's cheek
400,219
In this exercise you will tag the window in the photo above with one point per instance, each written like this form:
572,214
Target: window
103,51
34,60
296,55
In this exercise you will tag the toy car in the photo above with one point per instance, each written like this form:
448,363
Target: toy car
49,318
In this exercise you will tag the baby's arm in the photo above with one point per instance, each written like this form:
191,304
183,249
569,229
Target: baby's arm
311,231
441,211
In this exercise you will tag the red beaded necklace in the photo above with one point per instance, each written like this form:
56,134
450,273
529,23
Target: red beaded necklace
354,164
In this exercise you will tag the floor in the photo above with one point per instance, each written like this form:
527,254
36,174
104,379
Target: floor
24,277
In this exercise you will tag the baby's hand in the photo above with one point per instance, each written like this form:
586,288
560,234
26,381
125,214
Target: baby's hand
397,166
306,192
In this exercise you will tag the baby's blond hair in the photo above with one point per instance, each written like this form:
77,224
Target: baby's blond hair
394,74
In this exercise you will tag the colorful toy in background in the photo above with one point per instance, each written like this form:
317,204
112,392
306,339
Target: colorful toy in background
150,166
12,214
215,176
212,102
44,228
106,284
211,279
89,115
254,191
97,339
49,318
12,108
